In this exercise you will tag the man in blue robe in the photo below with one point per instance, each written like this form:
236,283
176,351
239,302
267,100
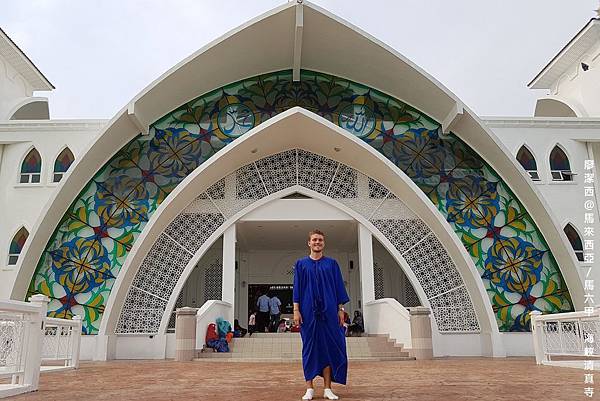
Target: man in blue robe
319,296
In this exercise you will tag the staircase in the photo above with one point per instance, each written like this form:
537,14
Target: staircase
287,347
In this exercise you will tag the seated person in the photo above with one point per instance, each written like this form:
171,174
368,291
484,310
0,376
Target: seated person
238,331
346,322
357,325
281,327
224,329
213,341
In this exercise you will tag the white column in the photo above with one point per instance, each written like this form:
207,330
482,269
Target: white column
367,277
35,342
228,284
75,342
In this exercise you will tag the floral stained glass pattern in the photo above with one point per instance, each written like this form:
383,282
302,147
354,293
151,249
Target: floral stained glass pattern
86,252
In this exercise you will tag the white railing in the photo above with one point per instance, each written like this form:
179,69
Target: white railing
20,345
388,316
62,340
28,338
565,334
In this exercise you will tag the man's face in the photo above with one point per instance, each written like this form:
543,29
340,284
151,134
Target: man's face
316,243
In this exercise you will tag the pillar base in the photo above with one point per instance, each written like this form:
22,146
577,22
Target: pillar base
185,334
420,330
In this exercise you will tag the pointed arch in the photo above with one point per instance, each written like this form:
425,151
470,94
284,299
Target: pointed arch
62,163
575,240
31,167
527,160
205,74
16,245
560,168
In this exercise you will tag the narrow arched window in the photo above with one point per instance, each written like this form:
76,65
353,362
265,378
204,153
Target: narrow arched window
527,160
559,165
62,164
31,167
16,245
575,241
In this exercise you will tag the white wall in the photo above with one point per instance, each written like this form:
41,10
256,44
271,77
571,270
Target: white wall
580,88
565,199
21,204
13,88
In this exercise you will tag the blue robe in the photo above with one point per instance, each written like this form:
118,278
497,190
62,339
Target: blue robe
319,289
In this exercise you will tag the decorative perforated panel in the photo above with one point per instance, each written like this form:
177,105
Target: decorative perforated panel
404,234
379,281
141,312
213,280
433,267
193,229
184,236
278,171
453,311
162,267
315,172
410,295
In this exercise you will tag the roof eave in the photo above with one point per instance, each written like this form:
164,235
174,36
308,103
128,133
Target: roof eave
536,82
44,84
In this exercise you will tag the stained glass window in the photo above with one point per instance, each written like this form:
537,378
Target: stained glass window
62,164
527,160
16,245
575,241
31,168
86,252
559,165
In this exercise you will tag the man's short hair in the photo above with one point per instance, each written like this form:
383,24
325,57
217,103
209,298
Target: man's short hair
316,231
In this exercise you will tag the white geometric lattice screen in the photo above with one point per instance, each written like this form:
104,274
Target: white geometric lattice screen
159,272
378,280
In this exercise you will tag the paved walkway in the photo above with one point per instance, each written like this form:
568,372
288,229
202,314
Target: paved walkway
440,380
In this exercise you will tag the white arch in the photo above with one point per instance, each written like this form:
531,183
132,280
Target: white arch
214,66
298,128
43,101
10,240
553,106
42,175
526,146
51,171
547,160
278,195
565,223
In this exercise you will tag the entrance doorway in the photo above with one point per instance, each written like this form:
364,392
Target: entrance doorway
268,250
283,291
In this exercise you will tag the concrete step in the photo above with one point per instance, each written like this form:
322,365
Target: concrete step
287,347
274,335
299,359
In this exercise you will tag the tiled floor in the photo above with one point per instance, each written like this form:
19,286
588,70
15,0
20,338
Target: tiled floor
440,380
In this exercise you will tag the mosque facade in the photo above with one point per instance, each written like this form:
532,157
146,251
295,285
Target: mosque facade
204,186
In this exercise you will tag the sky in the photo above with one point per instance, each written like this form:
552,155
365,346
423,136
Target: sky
100,53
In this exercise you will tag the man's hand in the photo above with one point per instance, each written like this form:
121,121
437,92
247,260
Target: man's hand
341,317
297,318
